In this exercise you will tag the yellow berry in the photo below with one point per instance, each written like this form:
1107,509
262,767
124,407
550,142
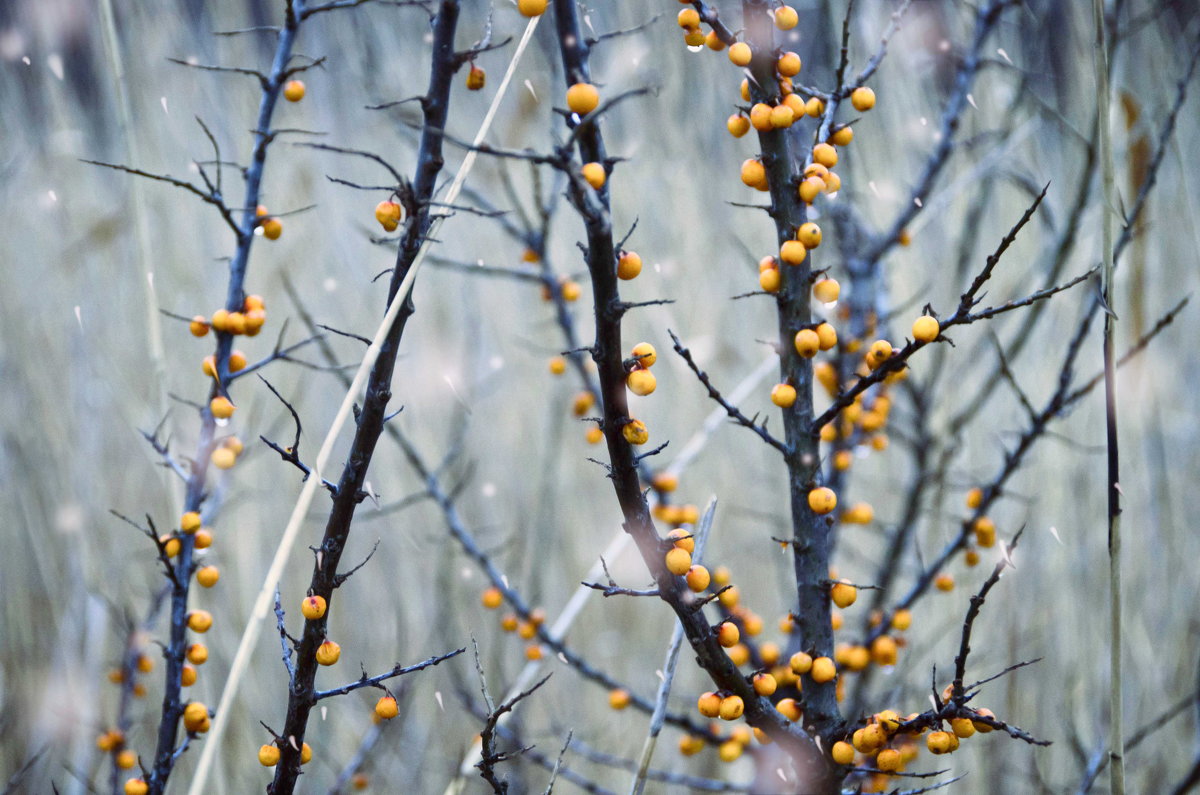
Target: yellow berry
859,513
825,154
783,395
223,458
328,653
826,339
571,290
386,708
221,407
781,117
207,576
823,670
732,707
792,252
582,98
678,561
476,79
826,291
738,125
582,403
842,752
272,229
618,698
645,354
770,280
594,435
730,750
313,607
532,8
944,582
810,188
629,265
862,98
293,91
558,365
268,755
594,174
902,619
199,621
641,382
889,760
807,343
492,598
974,498
800,663
880,352
809,234
842,136
926,329
843,594
709,705
665,482
136,786
305,753
884,650
688,18
822,500
788,64
789,708
963,727
740,53
940,742
698,578
786,18
814,107
199,326
194,716
187,676
728,634
764,684
190,522
126,759
635,432
753,173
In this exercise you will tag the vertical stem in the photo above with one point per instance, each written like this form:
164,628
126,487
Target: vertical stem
1116,730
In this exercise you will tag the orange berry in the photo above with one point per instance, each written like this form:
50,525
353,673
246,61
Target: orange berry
207,576
583,98
619,698
809,234
728,634
862,98
732,707
328,653
841,136
221,407
823,670
764,684
387,708
826,291
842,752
698,578
635,432
199,326
738,125
268,755
199,621
594,174
476,79
641,382
792,252
740,53
822,500
532,8
492,598
709,705
313,607
807,343
783,395
272,228
753,173
629,265
926,329
843,594
678,561
293,91
788,64
786,18
825,154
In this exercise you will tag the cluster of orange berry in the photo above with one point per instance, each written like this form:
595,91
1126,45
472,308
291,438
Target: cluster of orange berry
249,321
113,742
493,597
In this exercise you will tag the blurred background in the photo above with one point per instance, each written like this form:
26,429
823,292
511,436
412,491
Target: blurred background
76,337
